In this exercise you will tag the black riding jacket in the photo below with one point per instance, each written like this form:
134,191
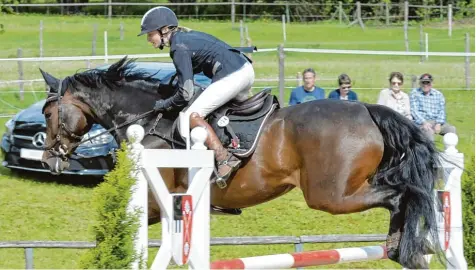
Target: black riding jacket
194,52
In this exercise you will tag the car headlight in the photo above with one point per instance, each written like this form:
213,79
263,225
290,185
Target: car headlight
102,139
10,124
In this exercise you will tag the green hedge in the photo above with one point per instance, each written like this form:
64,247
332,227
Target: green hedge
115,227
467,188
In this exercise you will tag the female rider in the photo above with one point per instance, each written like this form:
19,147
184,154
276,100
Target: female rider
193,52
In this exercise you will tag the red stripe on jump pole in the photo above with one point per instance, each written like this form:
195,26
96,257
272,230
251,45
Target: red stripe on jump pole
228,264
312,258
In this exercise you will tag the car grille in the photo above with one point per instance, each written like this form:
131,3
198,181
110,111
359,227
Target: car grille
23,134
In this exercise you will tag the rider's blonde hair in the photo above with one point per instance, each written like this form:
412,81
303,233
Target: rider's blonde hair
176,29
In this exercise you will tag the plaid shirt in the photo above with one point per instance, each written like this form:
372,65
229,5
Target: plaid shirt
427,107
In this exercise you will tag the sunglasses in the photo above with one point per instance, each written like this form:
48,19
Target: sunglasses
397,83
426,83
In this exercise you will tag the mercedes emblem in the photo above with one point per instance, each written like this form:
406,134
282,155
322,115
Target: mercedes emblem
39,139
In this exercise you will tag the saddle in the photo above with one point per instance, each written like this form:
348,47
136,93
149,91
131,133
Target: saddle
238,125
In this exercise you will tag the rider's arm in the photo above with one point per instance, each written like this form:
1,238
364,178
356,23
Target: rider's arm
183,64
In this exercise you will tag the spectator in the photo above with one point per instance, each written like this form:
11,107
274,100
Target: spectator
394,97
428,108
308,91
344,91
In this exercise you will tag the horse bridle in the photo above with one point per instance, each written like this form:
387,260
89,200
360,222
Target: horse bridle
62,149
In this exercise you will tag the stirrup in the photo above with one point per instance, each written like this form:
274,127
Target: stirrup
221,180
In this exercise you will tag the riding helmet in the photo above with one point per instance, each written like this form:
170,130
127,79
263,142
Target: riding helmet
156,18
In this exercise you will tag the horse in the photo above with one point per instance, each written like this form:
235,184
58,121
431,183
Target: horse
346,157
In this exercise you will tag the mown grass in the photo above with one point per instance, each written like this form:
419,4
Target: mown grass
43,207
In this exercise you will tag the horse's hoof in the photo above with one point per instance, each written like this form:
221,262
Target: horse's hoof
392,254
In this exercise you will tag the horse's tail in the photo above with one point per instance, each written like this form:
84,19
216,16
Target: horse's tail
410,162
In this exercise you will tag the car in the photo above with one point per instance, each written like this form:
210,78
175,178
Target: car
23,142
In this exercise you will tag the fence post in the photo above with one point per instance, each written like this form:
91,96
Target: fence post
105,47
359,15
287,13
242,38
20,72
283,19
405,26
41,38
95,30
426,46
281,74
232,13
121,29
387,14
109,10
422,58
340,12
414,81
299,79
450,19
28,258
466,61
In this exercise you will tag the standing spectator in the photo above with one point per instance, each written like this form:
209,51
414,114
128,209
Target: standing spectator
344,91
428,108
394,97
308,91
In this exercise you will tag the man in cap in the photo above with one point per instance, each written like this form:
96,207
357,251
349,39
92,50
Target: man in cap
428,108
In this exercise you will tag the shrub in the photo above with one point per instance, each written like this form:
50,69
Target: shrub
467,194
115,227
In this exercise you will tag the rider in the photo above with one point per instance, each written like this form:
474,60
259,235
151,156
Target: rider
193,52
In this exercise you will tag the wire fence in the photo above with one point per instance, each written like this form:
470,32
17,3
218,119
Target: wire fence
302,11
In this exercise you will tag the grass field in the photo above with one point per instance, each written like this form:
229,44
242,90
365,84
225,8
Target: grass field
50,208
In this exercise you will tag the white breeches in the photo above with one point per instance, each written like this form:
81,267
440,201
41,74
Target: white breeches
234,86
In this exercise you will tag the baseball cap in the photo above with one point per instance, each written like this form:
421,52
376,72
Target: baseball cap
426,78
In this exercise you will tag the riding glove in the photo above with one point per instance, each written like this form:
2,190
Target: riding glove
162,105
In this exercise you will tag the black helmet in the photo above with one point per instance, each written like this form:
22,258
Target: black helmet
157,18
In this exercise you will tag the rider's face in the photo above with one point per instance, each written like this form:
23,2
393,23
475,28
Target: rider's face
154,38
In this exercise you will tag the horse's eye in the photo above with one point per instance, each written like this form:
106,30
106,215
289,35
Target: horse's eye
47,115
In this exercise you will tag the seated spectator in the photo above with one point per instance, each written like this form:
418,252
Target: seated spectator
394,97
343,92
428,108
308,91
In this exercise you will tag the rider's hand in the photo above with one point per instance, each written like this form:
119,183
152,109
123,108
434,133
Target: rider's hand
160,105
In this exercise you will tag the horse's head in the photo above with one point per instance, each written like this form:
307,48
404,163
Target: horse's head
67,120
108,96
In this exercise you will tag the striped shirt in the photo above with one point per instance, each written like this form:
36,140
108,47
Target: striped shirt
427,107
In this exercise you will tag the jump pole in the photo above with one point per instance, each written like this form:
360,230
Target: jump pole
304,259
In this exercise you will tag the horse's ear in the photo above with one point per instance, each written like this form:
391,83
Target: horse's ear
50,80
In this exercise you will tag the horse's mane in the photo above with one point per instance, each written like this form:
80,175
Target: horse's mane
115,76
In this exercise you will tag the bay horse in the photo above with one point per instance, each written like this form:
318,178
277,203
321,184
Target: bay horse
345,156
